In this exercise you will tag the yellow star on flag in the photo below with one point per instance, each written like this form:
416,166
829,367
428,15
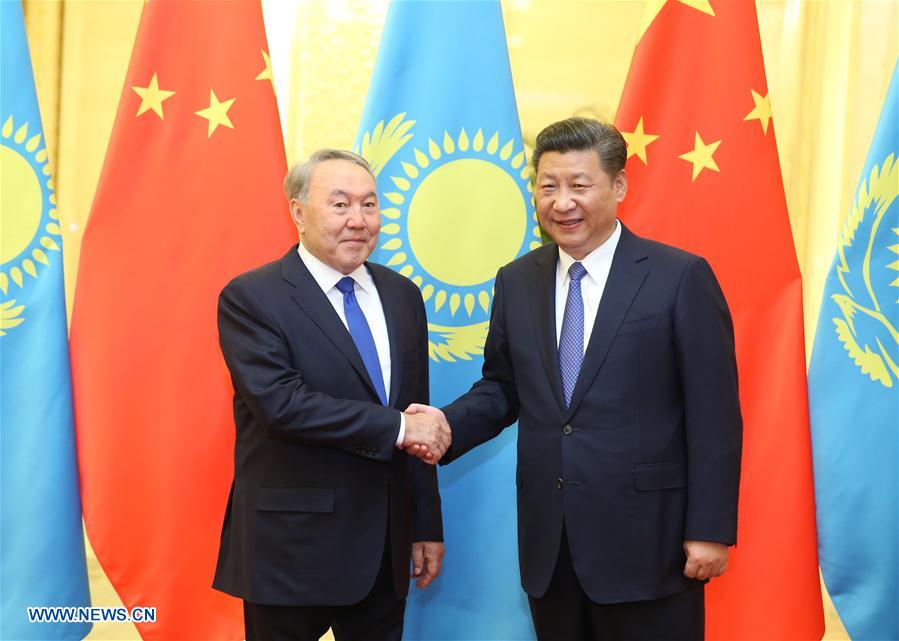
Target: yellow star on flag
653,7
761,111
216,113
152,97
265,74
638,140
701,156
700,5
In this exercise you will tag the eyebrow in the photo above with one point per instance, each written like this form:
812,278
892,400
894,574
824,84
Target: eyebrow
341,192
578,176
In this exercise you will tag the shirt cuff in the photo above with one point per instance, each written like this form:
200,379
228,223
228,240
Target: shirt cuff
402,434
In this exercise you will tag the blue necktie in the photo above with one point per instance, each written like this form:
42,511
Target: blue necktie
571,340
361,334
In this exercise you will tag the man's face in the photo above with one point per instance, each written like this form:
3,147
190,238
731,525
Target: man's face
576,200
340,221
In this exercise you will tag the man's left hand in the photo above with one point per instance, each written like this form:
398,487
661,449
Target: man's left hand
427,559
705,559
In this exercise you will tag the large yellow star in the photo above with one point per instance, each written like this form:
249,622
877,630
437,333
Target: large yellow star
701,156
761,111
216,113
653,7
152,97
637,141
265,74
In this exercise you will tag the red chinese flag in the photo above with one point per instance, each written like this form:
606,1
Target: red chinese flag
704,175
190,196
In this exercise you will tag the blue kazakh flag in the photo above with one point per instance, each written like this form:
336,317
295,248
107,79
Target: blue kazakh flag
41,543
441,130
854,399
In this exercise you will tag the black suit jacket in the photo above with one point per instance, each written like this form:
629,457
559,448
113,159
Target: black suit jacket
648,452
316,471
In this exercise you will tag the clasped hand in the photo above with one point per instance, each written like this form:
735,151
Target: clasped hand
428,434
705,559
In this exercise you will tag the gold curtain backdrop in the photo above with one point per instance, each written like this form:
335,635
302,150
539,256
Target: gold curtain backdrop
828,63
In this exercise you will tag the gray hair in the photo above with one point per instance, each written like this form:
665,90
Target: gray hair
582,134
296,183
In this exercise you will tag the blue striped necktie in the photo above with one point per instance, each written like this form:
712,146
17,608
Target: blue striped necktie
362,336
571,340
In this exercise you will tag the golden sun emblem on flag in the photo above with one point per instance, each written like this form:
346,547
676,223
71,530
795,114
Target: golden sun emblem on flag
454,210
30,222
868,328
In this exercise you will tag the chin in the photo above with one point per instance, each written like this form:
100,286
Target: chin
565,238
351,262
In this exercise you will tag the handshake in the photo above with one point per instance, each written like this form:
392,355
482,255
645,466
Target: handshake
427,433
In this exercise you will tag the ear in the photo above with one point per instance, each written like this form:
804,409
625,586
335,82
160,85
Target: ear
297,214
619,185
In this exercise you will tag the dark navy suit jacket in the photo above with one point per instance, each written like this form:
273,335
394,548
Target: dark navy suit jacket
316,471
648,452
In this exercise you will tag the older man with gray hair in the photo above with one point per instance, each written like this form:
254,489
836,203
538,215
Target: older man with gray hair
332,490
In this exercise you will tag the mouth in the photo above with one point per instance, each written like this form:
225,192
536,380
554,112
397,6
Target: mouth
355,241
570,223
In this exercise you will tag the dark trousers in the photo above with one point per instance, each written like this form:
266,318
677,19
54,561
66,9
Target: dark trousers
378,617
565,613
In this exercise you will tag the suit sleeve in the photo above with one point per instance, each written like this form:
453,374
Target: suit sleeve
704,341
274,391
427,520
492,403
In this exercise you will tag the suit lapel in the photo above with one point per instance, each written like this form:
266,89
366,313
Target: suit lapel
626,276
391,303
543,312
312,300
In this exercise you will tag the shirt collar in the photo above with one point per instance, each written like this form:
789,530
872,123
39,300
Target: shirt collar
593,261
327,277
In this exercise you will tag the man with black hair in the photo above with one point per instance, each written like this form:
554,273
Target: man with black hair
616,356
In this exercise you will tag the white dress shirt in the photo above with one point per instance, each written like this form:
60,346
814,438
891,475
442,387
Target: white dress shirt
369,302
597,263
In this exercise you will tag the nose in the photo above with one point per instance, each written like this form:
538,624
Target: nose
355,218
563,201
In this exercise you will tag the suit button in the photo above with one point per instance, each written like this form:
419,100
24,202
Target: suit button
560,483
567,430
386,479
